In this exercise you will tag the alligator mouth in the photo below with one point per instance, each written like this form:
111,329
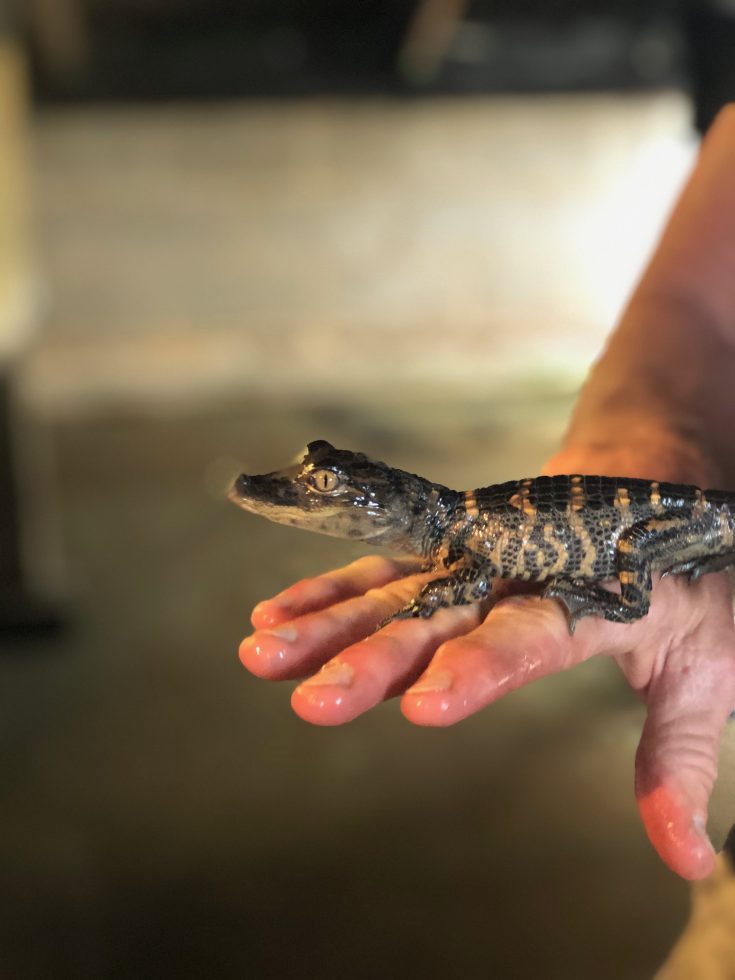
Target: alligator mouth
276,497
264,494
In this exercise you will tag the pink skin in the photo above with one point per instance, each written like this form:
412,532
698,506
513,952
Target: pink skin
680,659
658,404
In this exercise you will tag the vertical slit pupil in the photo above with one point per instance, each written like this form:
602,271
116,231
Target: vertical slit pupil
325,480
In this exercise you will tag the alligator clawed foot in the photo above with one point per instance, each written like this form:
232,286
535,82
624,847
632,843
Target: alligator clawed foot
413,610
575,604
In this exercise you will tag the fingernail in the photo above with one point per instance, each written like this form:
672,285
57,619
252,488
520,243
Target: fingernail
280,600
333,674
435,682
265,603
287,633
268,614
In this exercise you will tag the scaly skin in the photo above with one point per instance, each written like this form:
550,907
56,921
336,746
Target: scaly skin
680,658
572,532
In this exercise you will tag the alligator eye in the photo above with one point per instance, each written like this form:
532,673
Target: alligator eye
324,480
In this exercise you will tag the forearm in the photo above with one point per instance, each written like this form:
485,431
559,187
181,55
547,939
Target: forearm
664,387
666,382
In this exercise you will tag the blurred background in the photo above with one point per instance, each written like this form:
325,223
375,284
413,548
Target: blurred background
227,229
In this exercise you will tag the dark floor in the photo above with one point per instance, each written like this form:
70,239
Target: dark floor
164,814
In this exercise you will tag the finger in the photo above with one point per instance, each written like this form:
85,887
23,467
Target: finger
300,646
522,639
378,668
312,594
676,762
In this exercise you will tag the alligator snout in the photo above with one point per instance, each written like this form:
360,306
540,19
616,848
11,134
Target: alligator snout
241,487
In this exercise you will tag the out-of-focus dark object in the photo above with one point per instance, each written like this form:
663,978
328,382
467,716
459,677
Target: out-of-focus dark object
61,40
150,49
21,606
710,29
528,46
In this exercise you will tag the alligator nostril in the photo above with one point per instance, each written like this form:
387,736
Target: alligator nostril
240,487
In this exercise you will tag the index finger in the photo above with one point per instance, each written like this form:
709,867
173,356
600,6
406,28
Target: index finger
313,594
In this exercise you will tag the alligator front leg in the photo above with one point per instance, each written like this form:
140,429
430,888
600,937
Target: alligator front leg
466,585
582,599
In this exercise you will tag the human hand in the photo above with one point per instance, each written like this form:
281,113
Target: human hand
680,659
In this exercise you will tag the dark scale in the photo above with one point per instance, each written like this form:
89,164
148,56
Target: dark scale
569,532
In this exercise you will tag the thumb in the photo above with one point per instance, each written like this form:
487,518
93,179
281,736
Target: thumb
676,762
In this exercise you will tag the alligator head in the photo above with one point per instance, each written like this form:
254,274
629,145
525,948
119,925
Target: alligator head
343,494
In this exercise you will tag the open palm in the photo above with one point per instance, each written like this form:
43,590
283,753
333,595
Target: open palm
680,659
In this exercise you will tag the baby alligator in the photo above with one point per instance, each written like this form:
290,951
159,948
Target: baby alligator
572,532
